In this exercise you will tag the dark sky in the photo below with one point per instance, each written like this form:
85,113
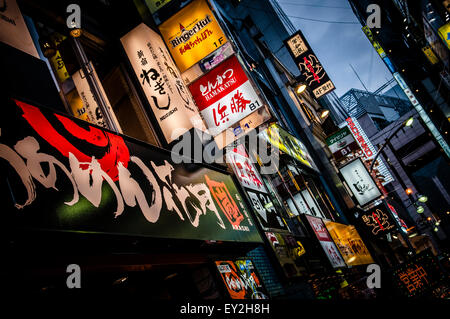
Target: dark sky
338,45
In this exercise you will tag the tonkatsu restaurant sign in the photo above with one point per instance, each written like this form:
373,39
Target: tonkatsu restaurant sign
224,96
66,174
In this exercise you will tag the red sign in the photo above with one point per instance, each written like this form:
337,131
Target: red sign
319,228
224,95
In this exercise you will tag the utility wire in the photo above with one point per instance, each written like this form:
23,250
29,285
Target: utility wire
302,18
312,5
324,21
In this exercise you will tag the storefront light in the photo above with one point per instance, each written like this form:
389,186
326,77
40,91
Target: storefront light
324,113
422,198
300,88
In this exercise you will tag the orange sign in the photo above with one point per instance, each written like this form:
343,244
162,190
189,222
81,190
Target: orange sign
349,243
192,34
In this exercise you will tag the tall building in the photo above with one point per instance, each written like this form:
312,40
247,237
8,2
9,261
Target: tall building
411,41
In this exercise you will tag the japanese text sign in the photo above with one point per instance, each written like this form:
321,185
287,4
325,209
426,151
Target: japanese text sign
99,181
342,143
161,82
253,185
349,243
326,242
312,71
378,220
192,33
360,182
417,276
288,143
241,279
224,96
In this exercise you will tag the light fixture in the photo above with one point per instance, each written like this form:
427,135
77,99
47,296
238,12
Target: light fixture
409,121
437,223
429,218
436,229
74,31
408,191
422,198
420,209
47,47
300,88
323,113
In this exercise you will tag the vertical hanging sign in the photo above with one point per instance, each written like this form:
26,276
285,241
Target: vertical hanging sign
161,82
312,71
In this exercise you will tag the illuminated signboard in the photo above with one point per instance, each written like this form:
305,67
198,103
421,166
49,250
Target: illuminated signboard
241,279
418,276
444,33
349,243
342,143
312,71
368,150
192,33
326,242
90,110
224,96
287,250
378,220
169,98
375,43
360,182
288,143
253,185
429,54
99,181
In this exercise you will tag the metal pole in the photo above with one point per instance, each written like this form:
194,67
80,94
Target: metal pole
93,85
383,146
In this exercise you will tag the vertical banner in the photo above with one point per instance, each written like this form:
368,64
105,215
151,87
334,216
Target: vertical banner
91,110
192,33
368,150
326,242
13,29
224,96
253,185
161,82
312,71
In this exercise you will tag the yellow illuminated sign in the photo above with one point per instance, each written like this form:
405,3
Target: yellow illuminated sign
349,243
430,55
444,33
287,143
375,44
192,34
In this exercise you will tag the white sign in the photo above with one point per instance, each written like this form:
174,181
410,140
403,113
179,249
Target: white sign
13,30
161,82
368,149
360,182
90,106
224,96
244,169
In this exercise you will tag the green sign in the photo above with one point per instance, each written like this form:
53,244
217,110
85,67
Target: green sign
66,174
